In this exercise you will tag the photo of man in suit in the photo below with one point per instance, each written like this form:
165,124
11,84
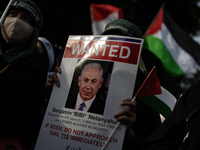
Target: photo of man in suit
89,82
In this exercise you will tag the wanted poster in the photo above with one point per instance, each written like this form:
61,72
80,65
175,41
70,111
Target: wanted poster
98,72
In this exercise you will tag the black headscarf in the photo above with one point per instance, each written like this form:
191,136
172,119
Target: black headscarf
21,50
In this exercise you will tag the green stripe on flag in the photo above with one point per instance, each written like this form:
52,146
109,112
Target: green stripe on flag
156,46
157,105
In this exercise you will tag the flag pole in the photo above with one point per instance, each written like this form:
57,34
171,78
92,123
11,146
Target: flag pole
114,129
136,96
5,12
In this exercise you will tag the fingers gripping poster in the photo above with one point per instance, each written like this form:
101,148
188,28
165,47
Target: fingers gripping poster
98,72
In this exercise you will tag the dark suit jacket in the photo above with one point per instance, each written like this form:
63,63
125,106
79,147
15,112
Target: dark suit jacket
97,106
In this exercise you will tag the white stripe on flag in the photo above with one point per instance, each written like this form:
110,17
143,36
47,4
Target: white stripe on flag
181,57
99,26
167,98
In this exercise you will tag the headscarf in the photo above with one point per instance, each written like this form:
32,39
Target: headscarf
50,51
126,28
28,46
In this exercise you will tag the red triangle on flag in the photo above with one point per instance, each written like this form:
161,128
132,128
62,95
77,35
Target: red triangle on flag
102,14
156,24
151,85
102,11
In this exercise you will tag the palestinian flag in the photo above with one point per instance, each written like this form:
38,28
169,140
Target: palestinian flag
102,14
165,102
177,51
150,86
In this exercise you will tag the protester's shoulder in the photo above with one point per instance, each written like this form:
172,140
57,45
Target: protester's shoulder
36,58
192,91
195,86
190,97
3,62
37,55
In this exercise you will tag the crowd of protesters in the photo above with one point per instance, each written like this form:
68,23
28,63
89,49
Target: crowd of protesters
28,69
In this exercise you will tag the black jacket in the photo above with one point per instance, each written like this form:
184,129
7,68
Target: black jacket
147,119
22,87
170,135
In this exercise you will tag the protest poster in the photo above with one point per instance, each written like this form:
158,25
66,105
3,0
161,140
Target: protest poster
65,127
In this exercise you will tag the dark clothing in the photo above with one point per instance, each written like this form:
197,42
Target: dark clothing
23,73
22,87
170,134
97,106
147,119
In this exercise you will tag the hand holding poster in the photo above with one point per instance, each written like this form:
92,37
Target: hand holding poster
99,71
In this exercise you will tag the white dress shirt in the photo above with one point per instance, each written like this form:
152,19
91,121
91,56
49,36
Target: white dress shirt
79,101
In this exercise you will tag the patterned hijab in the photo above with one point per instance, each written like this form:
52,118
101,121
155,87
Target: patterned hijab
22,50
125,27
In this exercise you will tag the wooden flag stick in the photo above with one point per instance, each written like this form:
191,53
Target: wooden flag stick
114,130
142,88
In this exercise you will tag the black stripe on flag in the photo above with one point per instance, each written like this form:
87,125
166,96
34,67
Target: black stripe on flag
182,38
169,84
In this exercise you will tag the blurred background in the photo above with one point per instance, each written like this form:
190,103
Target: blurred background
72,17
63,18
